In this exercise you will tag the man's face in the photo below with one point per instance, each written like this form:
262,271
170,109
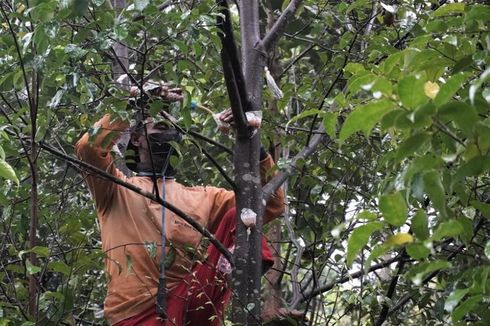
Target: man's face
140,140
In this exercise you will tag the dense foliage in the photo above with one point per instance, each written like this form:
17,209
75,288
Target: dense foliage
387,219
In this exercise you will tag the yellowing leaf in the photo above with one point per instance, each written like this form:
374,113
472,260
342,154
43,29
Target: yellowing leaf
431,89
399,239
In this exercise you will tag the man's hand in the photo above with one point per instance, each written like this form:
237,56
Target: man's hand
226,116
254,118
171,94
162,91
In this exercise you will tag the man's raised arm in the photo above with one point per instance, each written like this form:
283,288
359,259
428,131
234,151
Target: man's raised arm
96,150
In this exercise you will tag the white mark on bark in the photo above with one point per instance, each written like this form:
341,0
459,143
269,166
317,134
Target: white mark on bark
249,177
248,217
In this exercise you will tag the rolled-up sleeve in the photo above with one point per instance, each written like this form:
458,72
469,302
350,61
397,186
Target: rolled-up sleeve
96,151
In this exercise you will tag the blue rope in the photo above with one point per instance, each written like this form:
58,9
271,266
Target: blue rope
162,284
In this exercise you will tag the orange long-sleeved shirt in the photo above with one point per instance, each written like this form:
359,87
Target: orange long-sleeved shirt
130,224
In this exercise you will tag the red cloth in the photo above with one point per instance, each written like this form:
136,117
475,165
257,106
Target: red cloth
200,298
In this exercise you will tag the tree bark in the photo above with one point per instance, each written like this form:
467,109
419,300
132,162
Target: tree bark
244,82
249,195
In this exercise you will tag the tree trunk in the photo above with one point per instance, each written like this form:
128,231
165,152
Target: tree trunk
244,82
249,195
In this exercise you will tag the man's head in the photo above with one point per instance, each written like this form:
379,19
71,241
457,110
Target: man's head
151,144
149,148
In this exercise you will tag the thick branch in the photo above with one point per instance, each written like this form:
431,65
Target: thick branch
237,105
278,29
201,229
235,82
281,177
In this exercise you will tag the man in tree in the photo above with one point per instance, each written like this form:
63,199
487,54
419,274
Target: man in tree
130,226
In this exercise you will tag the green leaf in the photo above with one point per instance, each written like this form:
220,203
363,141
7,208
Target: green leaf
7,172
412,145
59,267
377,252
365,81
463,64
484,208
454,298
419,271
467,233
475,86
41,251
435,189
478,12
390,62
449,8
447,90
487,250
354,68
394,208
304,114
151,247
359,238
44,11
464,115
418,251
80,7
170,258
364,118
32,269
447,229
420,225
341,100
466,307
108,139
476,166
140,5
411,92
366,215
121,30
129,263
330,124
75,51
